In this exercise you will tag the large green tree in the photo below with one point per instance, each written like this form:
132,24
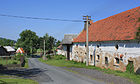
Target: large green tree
50,42
28,41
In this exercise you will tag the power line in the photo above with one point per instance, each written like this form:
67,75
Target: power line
38,18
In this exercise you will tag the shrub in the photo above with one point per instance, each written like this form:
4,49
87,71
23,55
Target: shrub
49,56
59,57
130,67
14,62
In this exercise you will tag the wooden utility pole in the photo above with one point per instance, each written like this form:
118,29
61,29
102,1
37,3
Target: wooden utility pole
44,47
87,18
44,56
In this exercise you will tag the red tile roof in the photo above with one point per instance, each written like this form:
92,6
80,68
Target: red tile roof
122,26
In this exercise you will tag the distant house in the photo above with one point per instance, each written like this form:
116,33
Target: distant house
10,50
112,42
3,51
67,45
20,50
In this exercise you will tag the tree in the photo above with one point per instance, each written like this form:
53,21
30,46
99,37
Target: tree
58,43
28,41
50,42
6,42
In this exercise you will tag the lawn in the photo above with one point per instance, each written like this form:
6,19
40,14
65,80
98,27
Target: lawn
61,62
16,81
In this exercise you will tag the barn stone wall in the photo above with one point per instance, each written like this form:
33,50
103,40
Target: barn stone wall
106,55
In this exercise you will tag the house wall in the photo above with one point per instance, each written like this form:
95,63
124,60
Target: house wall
107,56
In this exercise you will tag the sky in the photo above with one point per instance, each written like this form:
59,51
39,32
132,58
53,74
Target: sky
10,27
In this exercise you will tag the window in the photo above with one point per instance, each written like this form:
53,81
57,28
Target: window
98,57
76,45
98,46
106,60
91,57
117,60
85,45
117,46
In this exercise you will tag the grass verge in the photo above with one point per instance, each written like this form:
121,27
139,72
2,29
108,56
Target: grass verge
64,63
11,80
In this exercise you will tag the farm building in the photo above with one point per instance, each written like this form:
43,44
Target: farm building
67,45
112,42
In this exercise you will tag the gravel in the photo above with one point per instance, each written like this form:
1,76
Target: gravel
99,75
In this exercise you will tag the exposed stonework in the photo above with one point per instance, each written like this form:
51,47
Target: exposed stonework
107,56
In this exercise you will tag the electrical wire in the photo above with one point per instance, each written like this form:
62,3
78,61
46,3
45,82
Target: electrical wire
38,18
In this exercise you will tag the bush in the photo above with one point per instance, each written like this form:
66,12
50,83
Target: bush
17,56
59,57
130,67
49,56
14,62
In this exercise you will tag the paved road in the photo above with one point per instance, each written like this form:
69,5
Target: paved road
55,75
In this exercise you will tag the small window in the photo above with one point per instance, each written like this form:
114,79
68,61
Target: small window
117,46
85,46
98,57
98,46
91,57
117,60
106,60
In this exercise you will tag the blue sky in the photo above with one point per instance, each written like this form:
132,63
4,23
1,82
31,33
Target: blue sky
58,9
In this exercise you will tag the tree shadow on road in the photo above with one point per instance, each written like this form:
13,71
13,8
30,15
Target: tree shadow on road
22,72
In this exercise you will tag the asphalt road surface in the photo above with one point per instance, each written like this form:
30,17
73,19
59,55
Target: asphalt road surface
47,74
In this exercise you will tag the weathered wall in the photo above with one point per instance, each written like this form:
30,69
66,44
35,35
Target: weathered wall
64,51
107,56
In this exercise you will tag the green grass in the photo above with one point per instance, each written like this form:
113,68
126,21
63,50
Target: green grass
64,63
17,81
26,64
4,79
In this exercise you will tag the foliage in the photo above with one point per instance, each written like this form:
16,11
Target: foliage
6,42
50,43
17,56
8,61
59,57
58,43
130,68
28,41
